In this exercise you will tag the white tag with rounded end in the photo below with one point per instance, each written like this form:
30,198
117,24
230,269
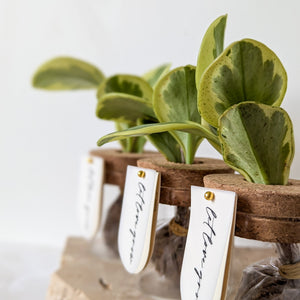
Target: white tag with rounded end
90,195
138,218
207,252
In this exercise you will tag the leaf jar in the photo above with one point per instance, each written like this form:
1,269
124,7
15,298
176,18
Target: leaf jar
257,140
167,257
176,131
115,165
67,73
268,213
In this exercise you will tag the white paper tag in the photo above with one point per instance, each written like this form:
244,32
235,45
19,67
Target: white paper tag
90,195
138,218
207,252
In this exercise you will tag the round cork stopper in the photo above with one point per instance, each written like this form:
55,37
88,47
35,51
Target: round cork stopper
177,178
116,162
264,212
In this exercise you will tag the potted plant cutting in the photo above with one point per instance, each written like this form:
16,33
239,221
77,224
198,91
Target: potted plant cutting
239,95
175,107
66,73
238,98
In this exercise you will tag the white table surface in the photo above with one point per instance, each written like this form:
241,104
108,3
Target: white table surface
25,270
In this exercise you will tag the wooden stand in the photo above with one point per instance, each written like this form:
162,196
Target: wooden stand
84,276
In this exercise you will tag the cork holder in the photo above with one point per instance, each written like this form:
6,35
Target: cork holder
268,213
177,178
116,163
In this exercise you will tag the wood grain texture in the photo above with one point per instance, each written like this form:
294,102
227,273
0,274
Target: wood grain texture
177,178
264,212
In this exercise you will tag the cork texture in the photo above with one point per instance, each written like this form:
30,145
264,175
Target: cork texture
116,163
264,212
176,178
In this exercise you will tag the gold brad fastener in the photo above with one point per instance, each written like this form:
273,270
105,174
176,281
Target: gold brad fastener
141,174
90,160
209,196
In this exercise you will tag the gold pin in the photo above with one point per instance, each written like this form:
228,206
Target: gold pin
209,196
141,174
90,160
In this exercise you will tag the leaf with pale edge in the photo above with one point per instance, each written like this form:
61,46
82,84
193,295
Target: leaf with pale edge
146,129
153,76
124,108
211,46
126,84
67,73
246,71
131,144
257,141
175,100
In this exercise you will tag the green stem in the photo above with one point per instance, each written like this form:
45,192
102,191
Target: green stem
190,153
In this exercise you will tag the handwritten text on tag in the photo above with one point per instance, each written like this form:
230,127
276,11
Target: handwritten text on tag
138,218
211,228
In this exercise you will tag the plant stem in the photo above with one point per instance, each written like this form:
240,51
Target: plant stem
189,154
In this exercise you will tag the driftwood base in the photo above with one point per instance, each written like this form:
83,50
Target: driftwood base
83,276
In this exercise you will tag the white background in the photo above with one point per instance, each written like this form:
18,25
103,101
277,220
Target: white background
43,135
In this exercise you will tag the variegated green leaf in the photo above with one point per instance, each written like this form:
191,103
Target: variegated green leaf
154,75
213,131
138,144
122,126
126,84
175,100
134,144
146,129
246,71
67,73
165,143
257,141
211,46
124,108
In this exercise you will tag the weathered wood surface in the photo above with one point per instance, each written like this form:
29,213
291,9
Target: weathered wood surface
80,272
264,212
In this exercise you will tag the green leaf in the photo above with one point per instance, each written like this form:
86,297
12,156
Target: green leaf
124,108
214,132
146,129
175,100
67,73
153,76
132,144
165,144
126,84
138,144
257,141
211,46
246,71
122,126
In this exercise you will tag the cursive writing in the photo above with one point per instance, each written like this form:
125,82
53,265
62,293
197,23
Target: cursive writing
139,204
207,236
